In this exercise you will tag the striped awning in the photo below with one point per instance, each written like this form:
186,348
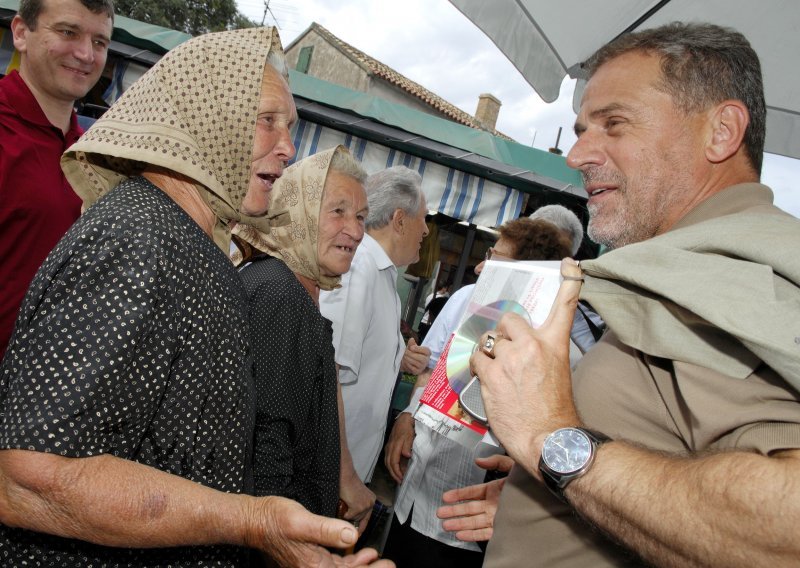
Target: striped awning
448,190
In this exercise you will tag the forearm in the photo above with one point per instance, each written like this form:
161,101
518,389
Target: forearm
423,378
419,387
725,509
116,502
347,470
357,496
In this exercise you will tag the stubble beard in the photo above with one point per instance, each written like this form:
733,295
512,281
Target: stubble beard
629,218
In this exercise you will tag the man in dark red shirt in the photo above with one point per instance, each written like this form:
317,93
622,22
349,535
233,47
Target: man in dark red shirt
63,46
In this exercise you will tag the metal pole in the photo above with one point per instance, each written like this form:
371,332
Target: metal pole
469,240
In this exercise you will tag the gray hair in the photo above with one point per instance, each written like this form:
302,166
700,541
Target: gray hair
344,163
701,65
565,220
391,189
278,61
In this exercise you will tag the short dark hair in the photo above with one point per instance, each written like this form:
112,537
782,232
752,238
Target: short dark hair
701,65
29,10
535,239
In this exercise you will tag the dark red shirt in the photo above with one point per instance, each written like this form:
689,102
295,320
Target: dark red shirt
37,205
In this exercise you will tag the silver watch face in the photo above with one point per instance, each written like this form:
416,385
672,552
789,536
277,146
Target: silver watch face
567,450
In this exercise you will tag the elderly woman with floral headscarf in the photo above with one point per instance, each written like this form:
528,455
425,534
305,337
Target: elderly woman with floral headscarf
297,442
126,400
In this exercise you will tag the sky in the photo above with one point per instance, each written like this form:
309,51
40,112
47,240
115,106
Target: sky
432,43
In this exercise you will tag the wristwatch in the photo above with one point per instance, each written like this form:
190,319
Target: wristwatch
567,454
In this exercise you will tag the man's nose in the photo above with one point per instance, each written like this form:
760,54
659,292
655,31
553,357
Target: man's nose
84,49
585,152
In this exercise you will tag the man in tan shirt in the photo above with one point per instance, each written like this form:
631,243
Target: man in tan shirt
674,442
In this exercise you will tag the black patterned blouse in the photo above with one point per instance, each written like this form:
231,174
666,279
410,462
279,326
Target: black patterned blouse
297,419
131,341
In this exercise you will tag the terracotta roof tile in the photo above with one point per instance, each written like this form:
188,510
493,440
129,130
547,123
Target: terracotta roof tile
385,72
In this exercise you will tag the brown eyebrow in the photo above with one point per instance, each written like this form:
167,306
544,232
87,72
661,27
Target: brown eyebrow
78,28
580,128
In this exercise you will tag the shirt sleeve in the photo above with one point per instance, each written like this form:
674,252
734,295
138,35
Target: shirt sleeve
284,363
72,379
445,324
350,309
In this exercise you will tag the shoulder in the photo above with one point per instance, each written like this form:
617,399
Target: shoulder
363,272
272,286
457,301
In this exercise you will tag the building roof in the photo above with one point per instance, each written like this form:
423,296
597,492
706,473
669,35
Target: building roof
504,161
375,67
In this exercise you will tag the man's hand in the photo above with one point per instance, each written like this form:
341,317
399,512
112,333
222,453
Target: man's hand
527,387
415,358
471,518
398,449
358,498
497,462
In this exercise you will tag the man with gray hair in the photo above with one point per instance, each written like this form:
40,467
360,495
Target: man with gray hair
365,312
565,220
676,440
587,325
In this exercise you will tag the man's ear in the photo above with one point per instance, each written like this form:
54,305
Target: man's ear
399,221
19,30
729,120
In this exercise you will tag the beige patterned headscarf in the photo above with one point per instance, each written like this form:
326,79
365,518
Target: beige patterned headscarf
194,113
298,192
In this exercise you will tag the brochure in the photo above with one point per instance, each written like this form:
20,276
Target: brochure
524,287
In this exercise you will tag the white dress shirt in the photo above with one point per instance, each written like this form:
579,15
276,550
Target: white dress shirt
438,464
365,313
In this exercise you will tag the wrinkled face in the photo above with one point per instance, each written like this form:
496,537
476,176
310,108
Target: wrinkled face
414,230
341,223
63,57
272,145
636,150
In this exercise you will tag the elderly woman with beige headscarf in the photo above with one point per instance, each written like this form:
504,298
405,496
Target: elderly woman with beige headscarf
126,401
297,442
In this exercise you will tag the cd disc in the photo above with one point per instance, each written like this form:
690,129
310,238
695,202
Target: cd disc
465,340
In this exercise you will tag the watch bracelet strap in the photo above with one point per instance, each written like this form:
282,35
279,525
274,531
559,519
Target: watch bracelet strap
553,484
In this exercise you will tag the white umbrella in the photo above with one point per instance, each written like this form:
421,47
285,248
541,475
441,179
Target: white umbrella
548,39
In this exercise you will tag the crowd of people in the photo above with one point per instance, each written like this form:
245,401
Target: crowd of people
164,402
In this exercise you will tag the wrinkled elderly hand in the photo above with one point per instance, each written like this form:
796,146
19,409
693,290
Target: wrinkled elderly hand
471,518
415,358
398,449
527,386
291,536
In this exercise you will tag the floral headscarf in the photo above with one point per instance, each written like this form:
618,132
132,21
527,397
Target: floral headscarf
294,236
194,113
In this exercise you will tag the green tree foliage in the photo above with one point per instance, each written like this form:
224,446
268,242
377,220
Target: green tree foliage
191,16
